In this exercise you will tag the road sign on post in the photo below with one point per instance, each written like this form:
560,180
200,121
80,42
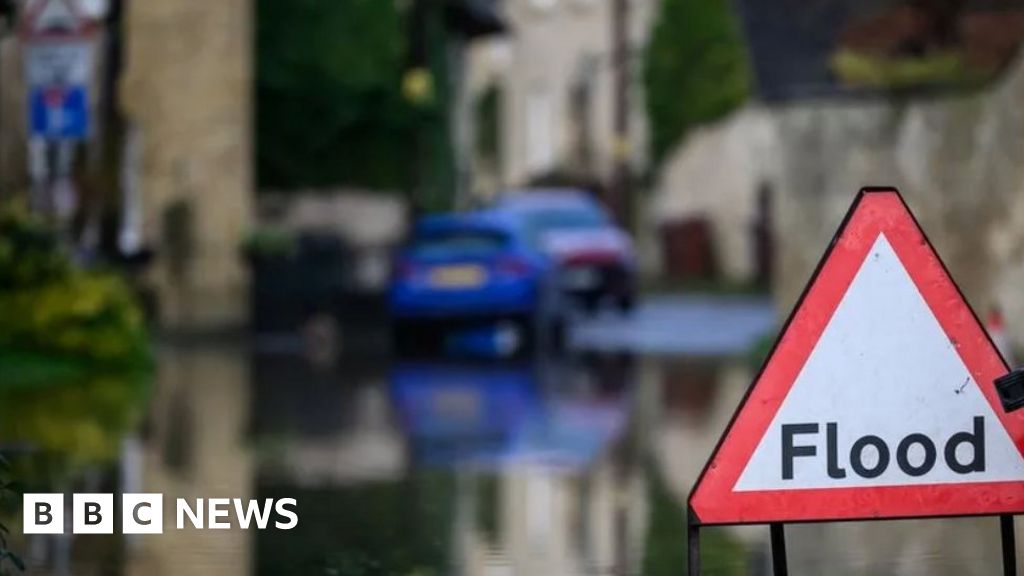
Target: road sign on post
877,400
58,45
58,67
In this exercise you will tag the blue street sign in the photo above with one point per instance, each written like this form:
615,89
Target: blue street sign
59,112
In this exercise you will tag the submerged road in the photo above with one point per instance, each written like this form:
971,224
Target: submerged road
690,325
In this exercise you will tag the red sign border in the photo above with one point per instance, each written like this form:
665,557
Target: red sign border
875,210
85,30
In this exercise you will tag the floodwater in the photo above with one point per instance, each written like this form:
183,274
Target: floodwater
571,466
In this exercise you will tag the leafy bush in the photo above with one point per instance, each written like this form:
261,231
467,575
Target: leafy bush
695,69
49,307
29,251
92,316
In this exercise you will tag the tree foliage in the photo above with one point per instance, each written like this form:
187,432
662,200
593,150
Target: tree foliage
330,110
695,69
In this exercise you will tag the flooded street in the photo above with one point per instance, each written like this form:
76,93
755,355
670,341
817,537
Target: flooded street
576,465
511,287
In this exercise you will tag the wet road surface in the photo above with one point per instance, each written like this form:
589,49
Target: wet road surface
572,465
687,325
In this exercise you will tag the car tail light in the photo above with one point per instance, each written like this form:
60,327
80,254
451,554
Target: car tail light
592,258
512,266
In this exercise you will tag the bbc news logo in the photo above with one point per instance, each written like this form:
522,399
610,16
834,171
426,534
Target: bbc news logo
144,513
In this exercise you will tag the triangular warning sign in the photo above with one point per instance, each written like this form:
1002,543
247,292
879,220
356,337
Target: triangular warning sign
53,17
877,400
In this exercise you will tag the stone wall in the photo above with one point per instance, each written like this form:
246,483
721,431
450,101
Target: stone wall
958,160
187,90
716,173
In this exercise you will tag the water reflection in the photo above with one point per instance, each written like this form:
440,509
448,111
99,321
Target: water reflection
489,417
577,465
544,488
68,437
78,424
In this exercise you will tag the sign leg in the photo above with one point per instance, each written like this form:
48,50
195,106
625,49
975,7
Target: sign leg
693,549
779,565
1009,545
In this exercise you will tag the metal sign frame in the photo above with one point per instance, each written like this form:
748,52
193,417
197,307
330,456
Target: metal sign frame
976,350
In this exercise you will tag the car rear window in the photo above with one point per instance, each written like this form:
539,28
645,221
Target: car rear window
548,220
459,241
543,222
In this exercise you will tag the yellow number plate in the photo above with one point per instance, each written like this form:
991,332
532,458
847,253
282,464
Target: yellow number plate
457,276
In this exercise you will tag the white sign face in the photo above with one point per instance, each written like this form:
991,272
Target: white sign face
884,399
878,399
59,62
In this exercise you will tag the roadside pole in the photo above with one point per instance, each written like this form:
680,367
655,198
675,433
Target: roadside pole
620,192
8,16
59,50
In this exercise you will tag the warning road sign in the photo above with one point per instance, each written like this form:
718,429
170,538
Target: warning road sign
877,400
54,18
59,63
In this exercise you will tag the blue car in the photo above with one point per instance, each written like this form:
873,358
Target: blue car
596,259
473,281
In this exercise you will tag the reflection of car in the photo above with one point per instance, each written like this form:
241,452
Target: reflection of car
461,273
492,416
458,412
595,258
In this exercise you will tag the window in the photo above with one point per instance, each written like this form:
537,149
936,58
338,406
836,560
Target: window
440,243
540,224
540,136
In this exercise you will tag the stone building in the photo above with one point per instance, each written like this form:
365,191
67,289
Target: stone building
553,77
187,95
184,96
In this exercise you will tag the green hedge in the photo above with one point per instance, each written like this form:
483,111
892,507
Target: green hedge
695,69
58,319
